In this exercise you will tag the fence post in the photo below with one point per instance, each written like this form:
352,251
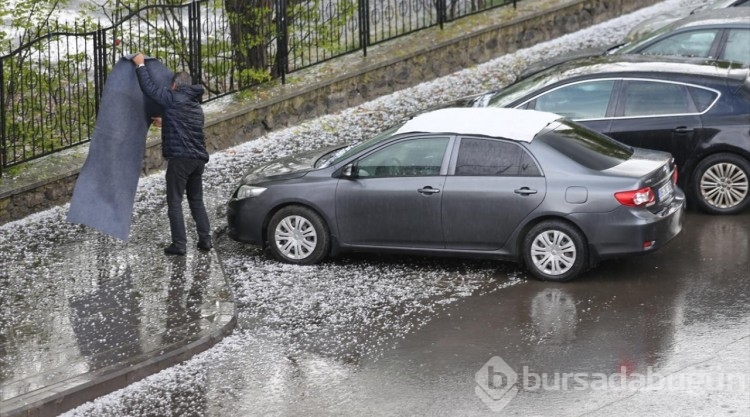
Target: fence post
100,65
194,42
364,25
3,137
282,44
441,12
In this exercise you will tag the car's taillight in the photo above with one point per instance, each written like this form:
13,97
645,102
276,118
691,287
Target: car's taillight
674,175
642,197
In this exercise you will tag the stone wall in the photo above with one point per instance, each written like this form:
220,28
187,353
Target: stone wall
350,81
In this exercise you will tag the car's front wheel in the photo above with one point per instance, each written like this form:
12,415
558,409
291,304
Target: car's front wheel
298,235
720,184
555,250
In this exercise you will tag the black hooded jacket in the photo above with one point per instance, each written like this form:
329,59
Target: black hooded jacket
182,131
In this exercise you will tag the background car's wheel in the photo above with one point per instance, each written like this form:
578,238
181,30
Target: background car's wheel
555,250
720,184
298,235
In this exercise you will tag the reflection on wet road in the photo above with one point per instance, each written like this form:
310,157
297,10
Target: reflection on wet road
682,314
73,302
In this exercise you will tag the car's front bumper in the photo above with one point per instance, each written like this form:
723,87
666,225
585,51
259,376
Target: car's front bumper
245,222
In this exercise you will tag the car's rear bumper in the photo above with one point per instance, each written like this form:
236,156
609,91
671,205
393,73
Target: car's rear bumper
627,231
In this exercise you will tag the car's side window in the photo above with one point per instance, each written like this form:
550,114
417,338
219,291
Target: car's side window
408,158
703,98
584,100
738,46
487,157
648,98
692,44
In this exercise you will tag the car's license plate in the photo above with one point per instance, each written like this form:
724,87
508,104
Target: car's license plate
665,191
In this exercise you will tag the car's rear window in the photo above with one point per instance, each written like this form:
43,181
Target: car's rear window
591,149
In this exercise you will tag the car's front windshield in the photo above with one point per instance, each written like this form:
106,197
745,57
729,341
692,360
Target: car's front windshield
508,95
346,152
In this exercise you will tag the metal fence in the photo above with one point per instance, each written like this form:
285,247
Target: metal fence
50,87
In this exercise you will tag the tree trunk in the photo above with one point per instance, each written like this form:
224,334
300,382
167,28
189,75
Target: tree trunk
251,30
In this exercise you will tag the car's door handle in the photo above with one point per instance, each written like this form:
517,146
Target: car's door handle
524,191
682,129
428,190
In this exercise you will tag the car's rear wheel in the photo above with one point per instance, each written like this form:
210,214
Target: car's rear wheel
298,235
720,184
555,250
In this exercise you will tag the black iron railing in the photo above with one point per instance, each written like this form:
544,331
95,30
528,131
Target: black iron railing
50,87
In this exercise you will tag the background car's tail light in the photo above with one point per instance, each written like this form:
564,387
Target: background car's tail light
674,175
642,197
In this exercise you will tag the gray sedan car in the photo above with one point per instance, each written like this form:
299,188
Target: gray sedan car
510,184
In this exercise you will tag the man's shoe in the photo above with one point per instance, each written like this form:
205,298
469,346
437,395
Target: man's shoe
205,246
174,250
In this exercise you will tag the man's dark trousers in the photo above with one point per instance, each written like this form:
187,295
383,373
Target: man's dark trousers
184,176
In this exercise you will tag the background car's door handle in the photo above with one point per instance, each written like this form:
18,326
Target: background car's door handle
682,129
524,191
428,190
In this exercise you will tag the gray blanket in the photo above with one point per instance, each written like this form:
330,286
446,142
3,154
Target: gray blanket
104,192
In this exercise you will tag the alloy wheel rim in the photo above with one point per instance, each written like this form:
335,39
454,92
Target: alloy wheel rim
724,185
553,252
295,237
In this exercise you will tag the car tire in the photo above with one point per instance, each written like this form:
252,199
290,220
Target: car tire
555,250
298,235
720,184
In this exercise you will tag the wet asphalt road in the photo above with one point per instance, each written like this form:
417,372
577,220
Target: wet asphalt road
682,314
668,332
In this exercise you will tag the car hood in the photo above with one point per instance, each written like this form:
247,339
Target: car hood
650,25
542,65
290,166
475,100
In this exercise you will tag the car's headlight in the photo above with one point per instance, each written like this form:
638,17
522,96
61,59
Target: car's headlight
247,191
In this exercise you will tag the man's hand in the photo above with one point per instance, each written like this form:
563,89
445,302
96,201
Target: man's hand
138,59
156,121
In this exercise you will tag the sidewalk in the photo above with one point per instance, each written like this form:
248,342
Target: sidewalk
84,314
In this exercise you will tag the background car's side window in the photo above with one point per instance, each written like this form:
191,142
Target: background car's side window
738,46
647,98
486,157
692,44
409,158
584,100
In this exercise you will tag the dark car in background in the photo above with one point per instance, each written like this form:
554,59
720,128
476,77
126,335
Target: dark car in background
650,25
697,111
721,33
510,184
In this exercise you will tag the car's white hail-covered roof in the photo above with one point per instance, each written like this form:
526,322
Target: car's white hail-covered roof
520,125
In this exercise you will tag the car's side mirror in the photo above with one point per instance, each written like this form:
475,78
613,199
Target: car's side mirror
349,171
